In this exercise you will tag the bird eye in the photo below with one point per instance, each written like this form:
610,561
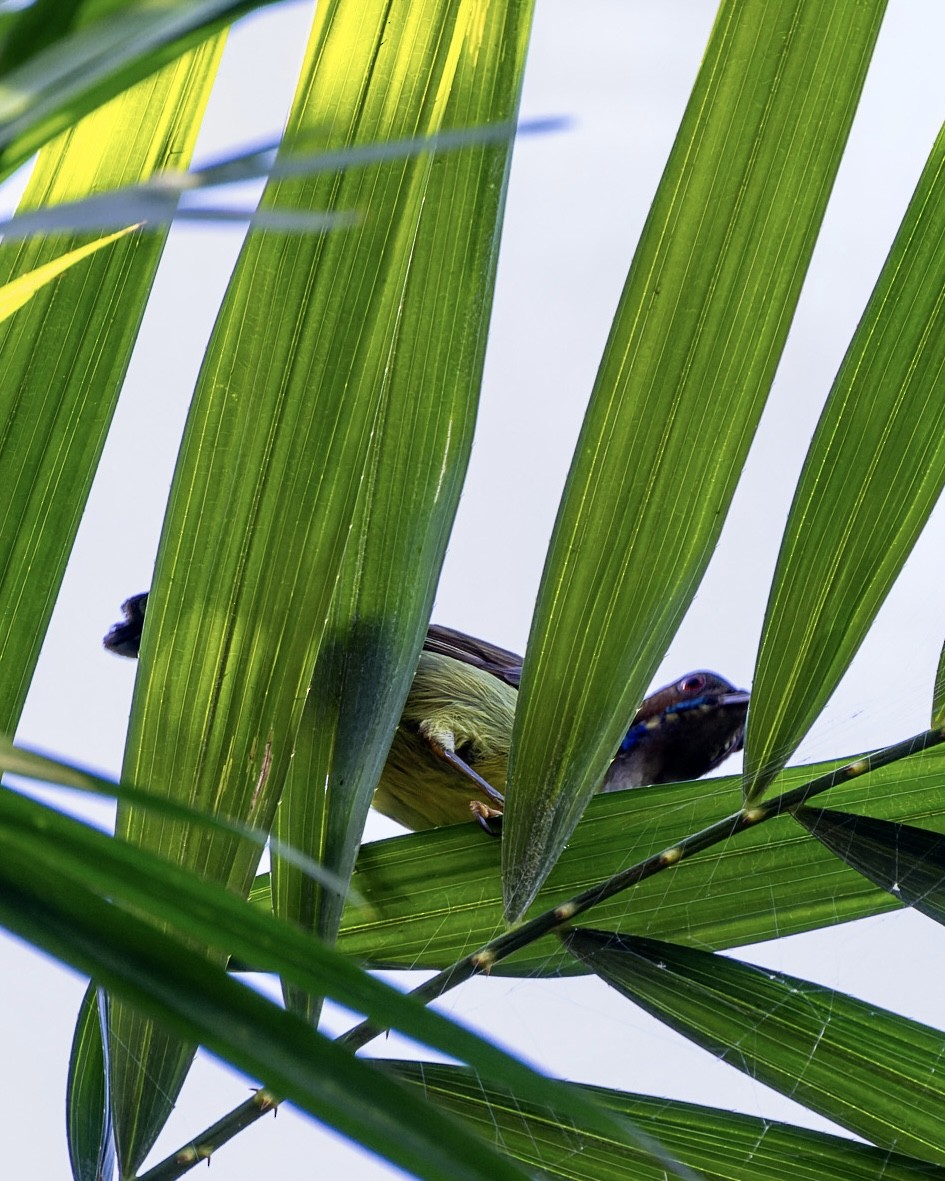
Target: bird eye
692,684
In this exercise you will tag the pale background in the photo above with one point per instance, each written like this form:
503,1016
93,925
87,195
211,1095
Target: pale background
621,69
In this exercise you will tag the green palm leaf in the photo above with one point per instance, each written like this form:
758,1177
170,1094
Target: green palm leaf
430,898
906,861
873,474
62,59
717,1145
66,352
438,310
863,1067
691,356
311,507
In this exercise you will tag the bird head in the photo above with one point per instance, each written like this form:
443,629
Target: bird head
681,731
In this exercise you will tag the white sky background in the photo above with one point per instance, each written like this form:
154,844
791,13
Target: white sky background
622,69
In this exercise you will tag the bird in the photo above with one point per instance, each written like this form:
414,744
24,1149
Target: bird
448,759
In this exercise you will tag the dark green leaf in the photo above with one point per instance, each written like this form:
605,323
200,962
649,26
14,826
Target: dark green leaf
718,1145
866,1068
33,765
56,862
199,1001
88,1109
906,861
430,898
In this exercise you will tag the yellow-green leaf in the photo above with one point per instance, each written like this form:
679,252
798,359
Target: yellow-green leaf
66,352
62,59
293,388
19,291
423,435
874,471
938,693
691,356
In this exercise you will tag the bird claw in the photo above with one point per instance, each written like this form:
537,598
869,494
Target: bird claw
490,819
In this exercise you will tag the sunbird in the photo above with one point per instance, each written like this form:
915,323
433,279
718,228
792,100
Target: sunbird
450,752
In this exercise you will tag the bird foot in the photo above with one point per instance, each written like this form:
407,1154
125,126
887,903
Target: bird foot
490,819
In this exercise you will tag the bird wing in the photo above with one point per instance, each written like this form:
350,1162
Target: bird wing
446,641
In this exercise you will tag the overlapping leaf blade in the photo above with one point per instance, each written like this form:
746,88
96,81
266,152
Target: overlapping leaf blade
803,912
938,695
906,861
65,357
45,769
420,446
718,1145
291,393
197,999
873,474
62,59
159,200
17,293
691,356
88,1109
868,1069
65,354
130,918
430,898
